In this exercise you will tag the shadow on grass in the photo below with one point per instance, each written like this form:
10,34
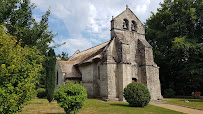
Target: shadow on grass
53,113
124,105
121,105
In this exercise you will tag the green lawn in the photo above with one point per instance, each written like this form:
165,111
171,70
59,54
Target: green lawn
38,106
196,103
93,106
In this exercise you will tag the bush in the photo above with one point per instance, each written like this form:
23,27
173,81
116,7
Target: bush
71,96
41,92
169,93
136,94
20,68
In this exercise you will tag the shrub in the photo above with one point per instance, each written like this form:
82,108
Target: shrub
137,94
20,69
169,93
41,92
71,96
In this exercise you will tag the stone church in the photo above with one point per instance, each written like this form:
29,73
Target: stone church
106,69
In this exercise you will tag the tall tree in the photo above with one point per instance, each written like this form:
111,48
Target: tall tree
175,32
19,69
16,15
50,77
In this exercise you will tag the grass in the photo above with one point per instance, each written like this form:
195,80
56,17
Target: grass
93,106
195,103
39,106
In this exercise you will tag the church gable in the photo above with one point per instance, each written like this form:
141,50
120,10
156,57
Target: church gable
127,21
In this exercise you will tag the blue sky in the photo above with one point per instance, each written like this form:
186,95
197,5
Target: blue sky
86,23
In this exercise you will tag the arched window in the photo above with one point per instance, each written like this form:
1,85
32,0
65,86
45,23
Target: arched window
125,24
133,26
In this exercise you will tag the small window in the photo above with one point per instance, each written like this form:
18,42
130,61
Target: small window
98,72
125,24
133,26
57,78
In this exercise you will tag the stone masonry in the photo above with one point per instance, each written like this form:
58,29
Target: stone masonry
106,69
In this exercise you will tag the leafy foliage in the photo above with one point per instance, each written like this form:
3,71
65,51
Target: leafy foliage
16,16
169,93
41,93
137,94
50,77
175,33
20,68
64,56
71,96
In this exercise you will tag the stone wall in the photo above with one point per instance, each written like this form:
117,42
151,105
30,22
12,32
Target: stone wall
149,71
102,80
134,56
60,75
87,78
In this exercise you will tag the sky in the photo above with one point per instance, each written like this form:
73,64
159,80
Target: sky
85,23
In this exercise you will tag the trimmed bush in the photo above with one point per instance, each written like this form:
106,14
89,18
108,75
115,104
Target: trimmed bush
169,93
71,96
136,94
41,93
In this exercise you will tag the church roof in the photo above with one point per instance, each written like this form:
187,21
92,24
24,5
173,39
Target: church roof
79,58
89,54
67,68
64,65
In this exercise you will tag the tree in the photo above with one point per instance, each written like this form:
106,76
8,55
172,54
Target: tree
175,32
64,56
50,77
20,68
16,15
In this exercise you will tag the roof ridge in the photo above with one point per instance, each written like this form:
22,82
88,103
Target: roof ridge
76,52
92,47
136,16
119,14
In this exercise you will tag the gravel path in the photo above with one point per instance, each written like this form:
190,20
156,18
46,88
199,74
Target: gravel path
178,108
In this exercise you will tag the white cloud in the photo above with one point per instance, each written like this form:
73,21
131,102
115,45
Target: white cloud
73,44
92,17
